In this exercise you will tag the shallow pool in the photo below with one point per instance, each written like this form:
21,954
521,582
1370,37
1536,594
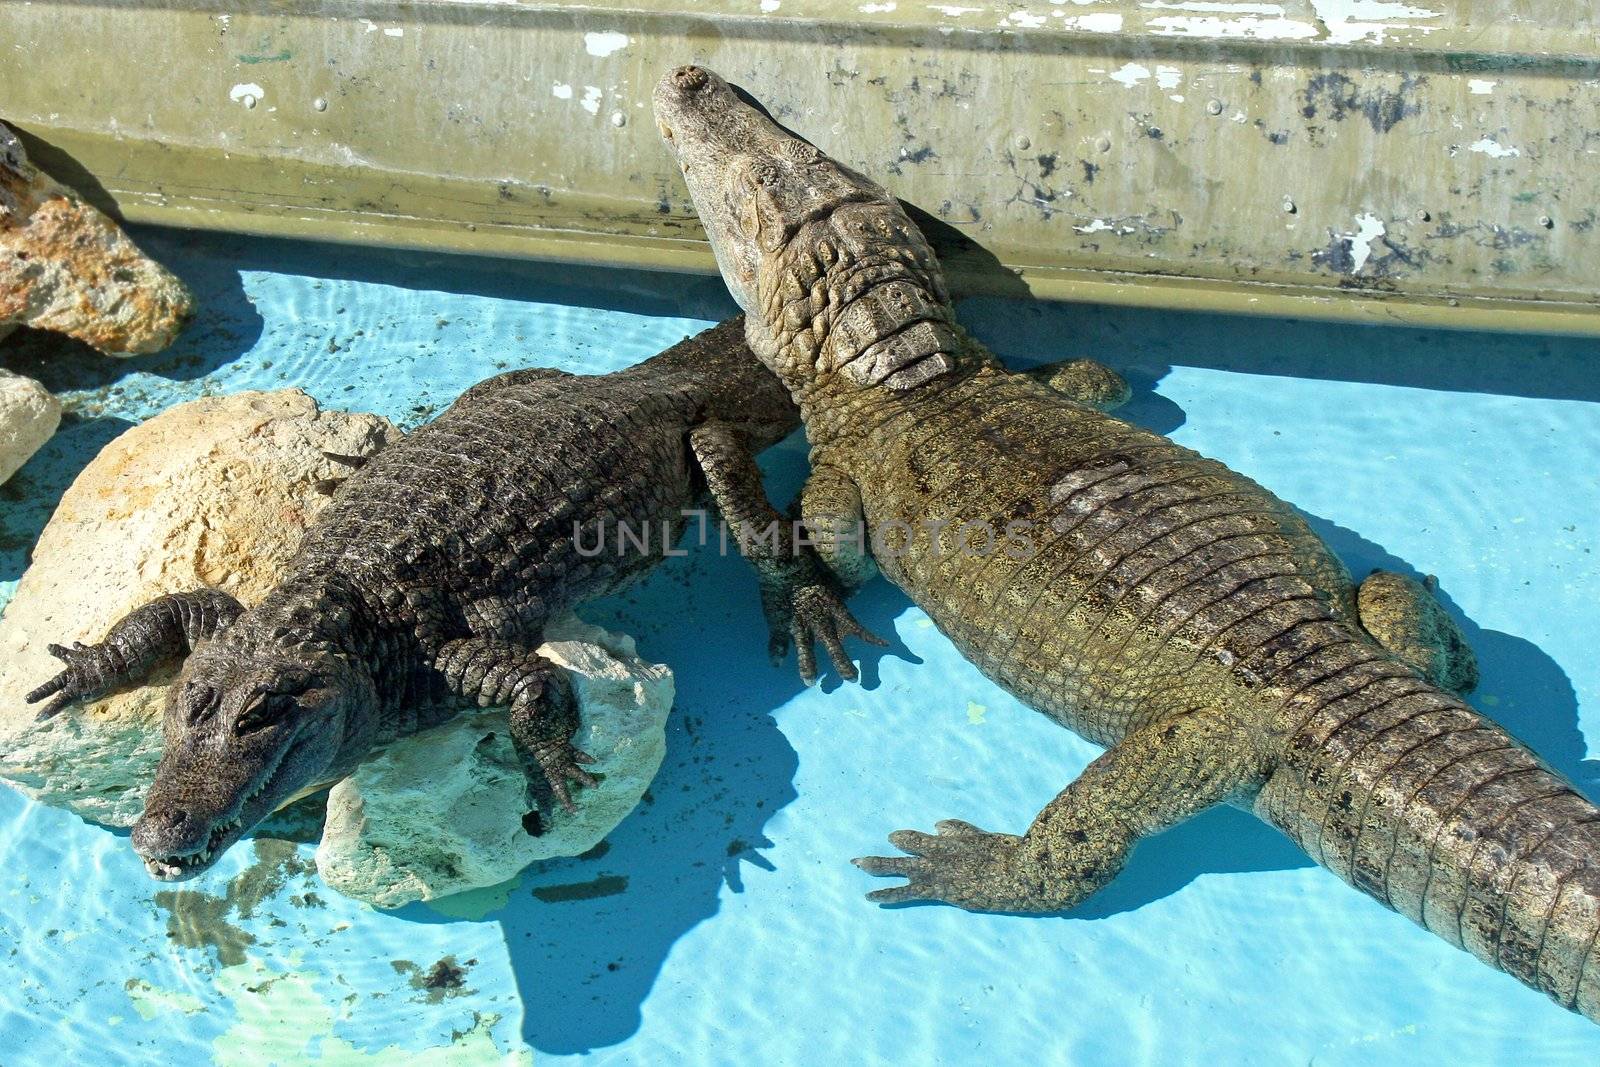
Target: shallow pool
722,922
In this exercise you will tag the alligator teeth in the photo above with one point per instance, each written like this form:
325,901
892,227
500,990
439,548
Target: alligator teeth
172,867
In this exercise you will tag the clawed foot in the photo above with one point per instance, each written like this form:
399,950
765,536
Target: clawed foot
816,612
80,681
560,765
960,865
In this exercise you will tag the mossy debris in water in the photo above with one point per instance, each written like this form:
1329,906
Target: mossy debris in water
200,920
282,1018
446,978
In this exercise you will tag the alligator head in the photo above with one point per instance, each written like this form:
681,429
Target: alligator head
247,727
840,289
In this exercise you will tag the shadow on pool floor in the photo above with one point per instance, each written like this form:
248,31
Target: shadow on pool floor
589,936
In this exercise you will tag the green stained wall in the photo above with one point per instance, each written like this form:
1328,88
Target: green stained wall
1415,161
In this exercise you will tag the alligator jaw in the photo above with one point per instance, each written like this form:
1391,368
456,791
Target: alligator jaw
180,867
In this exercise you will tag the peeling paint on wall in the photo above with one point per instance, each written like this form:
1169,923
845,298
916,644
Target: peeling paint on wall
1370,21
1355,255
1101,22
1214,6
1370,228
605,44
1130,74
1275,29
1494,149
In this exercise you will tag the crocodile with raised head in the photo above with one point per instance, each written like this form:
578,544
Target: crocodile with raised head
1151,599
424,586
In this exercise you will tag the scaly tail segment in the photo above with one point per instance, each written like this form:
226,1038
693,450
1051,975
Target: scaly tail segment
1411,796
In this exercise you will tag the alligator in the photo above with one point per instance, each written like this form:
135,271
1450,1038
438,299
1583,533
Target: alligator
425,583
1153,600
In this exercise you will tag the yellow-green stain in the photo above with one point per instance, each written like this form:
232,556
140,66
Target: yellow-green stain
282,1020
150,1002
975,713
474,904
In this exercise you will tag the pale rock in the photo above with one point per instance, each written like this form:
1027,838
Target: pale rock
29,414
215,492
65,266
442,812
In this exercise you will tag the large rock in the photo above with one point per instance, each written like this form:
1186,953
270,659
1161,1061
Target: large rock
443,811
64,266
215,492
29,414
218,492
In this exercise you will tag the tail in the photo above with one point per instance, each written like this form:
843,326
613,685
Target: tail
1408,794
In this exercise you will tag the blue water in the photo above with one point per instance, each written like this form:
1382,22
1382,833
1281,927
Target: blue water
722,923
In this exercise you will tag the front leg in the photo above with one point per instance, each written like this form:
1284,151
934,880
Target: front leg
1154,778
801,601
544,712
166,627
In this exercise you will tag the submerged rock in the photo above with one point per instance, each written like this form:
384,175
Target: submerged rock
66,267
444,811
215,492
29,414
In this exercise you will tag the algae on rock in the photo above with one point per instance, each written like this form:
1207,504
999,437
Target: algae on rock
66,267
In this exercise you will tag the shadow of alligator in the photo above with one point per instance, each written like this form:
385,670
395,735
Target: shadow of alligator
588,936
1145,345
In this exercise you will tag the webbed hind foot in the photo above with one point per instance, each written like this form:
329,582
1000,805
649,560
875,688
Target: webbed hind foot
1405,617
1087,381
544,711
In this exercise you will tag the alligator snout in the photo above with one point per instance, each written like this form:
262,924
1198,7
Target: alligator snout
163,833
689,79
687,91
176,844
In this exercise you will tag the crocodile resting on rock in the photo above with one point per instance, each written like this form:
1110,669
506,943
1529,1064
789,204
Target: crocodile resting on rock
1156,602
424,586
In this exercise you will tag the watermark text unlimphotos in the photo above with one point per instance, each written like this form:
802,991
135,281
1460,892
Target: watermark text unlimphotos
888,539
